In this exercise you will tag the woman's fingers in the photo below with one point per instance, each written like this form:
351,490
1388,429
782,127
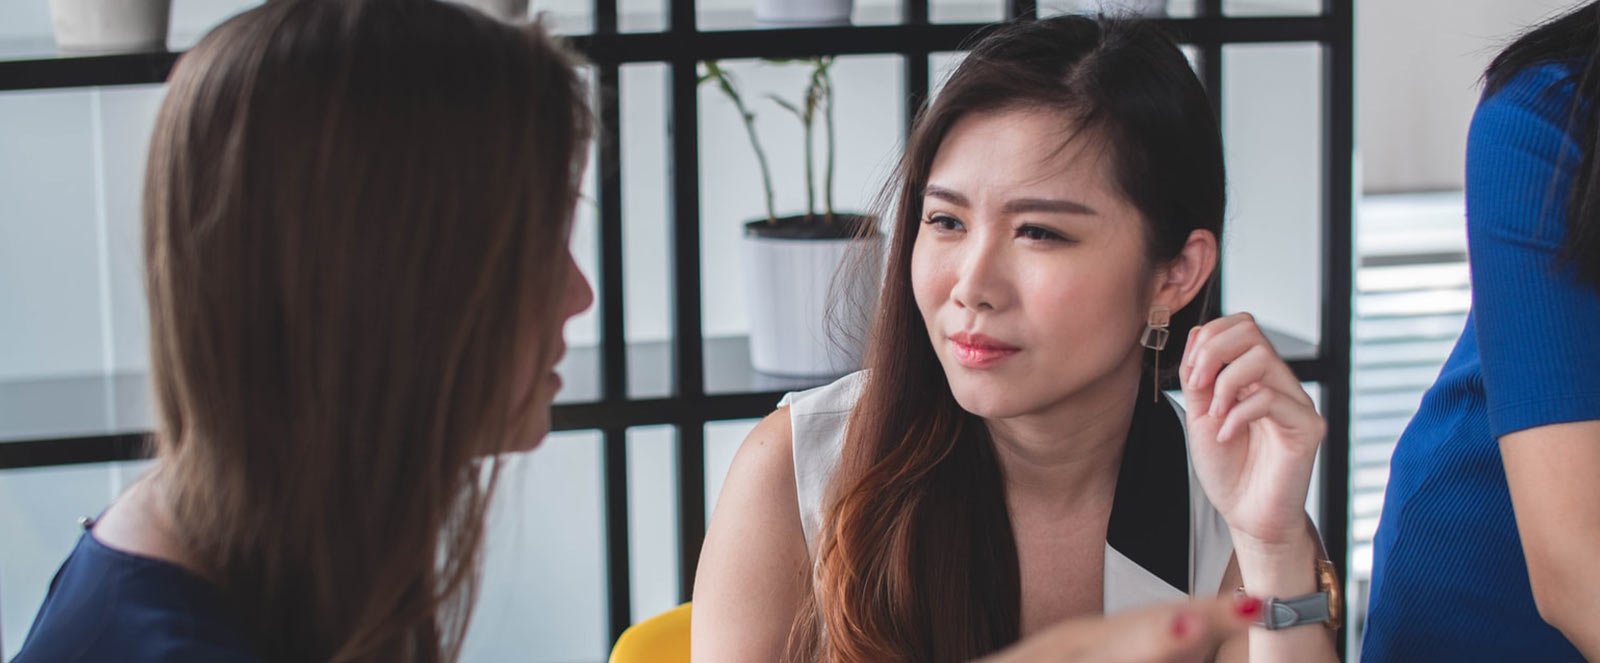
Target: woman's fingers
1192,632
1224,362
1271,404
1198,335
1259,366
1187,631
1217,344
1184,367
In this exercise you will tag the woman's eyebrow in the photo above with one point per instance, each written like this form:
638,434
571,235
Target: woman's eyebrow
1016,206
1047,205
948,195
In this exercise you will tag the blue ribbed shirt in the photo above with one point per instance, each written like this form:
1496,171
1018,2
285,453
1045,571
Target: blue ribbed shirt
1449,580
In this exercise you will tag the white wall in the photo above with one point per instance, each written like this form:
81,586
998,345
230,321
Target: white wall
1417,68
1271,125
50,235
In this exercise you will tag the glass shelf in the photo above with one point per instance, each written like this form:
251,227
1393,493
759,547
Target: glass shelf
119,404
1291,348
727,372
27,48
75,407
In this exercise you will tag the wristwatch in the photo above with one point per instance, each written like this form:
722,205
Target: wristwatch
1323,607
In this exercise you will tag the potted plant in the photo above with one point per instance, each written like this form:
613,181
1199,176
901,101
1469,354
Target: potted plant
808,300
803,12
1146,8
110,26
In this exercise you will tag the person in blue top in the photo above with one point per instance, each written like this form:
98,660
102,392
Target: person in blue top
1487,545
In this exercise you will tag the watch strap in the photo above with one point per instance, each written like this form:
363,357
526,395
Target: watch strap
1297,611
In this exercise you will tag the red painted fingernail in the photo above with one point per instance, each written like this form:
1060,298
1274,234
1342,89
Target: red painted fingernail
1247,606
1185,624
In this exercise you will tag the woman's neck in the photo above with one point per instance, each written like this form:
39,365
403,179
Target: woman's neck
140,522
1068,454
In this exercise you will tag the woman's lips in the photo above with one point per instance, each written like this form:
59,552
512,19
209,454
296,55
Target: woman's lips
555,376
979,351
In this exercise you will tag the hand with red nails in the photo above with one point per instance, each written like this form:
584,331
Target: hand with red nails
1253,432
1169,633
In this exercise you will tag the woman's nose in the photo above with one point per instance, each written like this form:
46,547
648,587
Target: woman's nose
981,283
579,296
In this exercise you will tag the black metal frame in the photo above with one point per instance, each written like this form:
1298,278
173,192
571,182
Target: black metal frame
682,46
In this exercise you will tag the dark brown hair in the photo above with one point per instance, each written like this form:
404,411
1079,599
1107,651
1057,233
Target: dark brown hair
916,560
356,216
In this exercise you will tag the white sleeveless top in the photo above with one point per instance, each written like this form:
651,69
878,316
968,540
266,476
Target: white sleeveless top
1165,541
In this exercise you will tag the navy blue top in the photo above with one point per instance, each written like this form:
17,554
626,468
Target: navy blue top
1449,580
108,605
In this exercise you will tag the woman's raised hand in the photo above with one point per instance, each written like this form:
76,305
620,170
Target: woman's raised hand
1253,432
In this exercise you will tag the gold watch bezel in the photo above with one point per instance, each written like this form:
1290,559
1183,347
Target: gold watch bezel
1328,579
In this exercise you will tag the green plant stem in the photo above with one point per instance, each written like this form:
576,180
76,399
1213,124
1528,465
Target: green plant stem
725,83
761,158
827,116
811,184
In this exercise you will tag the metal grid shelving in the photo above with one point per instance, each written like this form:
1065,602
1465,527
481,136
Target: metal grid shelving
688,404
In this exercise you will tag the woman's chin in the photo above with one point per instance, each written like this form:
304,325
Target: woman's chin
529,443
986,401
532,435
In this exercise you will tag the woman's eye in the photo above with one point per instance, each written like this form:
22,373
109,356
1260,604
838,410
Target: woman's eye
1037,233
943,222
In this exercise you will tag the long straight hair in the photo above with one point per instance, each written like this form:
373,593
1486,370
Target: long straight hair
917,561
356,214
1573,37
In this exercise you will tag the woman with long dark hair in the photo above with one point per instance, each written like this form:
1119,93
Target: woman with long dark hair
356,217
1006,460
1485,550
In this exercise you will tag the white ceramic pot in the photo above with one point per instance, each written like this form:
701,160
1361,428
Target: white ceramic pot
1149,8
110,26
514,11
804,12
810,303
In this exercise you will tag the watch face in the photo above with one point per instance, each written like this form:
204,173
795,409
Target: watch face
1328,578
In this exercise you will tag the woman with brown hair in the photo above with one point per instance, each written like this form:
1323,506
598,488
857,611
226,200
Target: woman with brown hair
1006,460
356,220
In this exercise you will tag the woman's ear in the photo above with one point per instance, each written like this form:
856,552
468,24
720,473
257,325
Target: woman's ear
1181,279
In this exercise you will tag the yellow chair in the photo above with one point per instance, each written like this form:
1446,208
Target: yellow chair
663,638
